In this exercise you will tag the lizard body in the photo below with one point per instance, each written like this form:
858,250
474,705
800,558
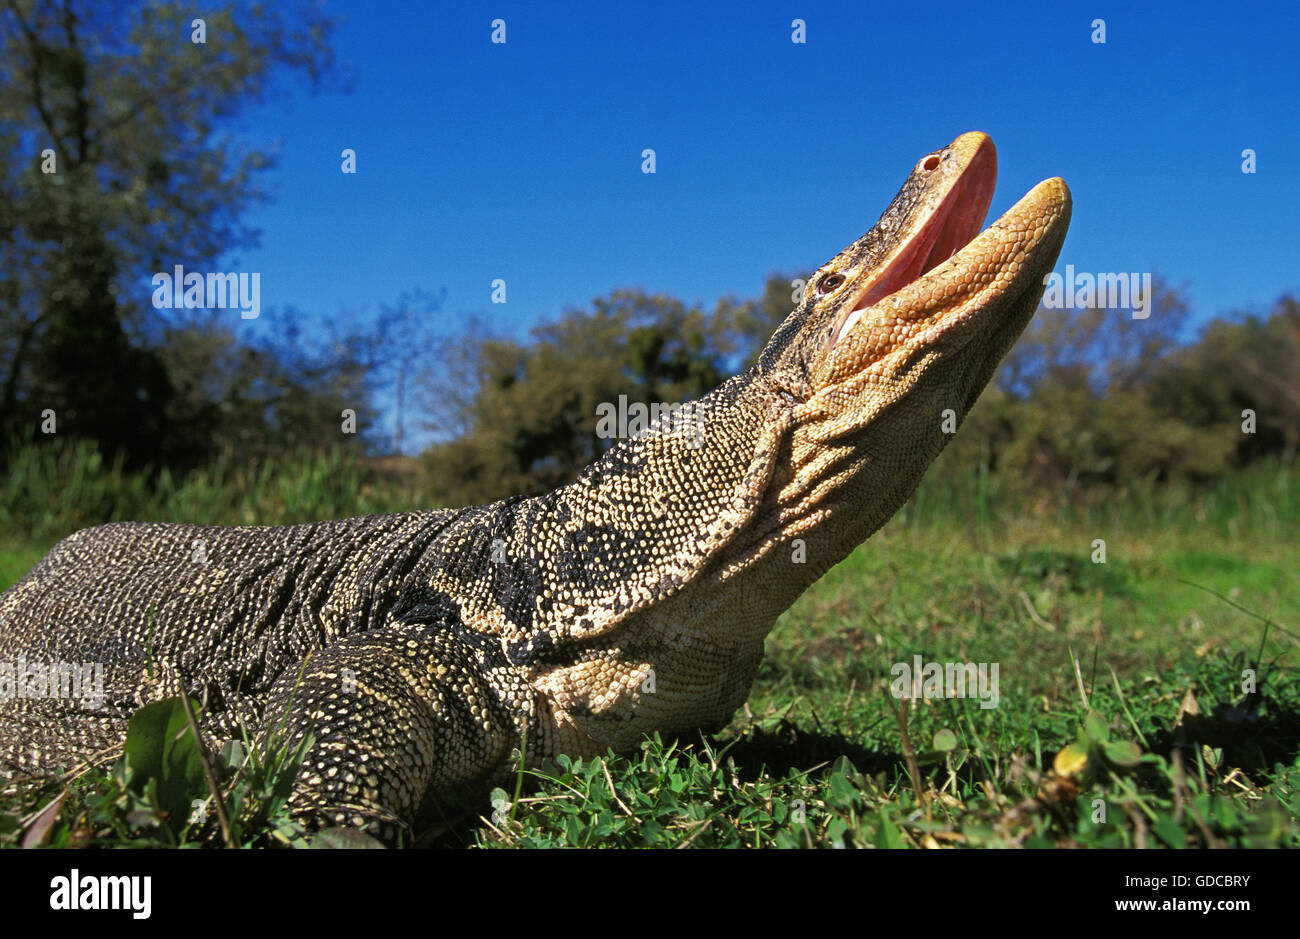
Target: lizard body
420,648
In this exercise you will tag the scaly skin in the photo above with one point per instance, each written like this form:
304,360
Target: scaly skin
419,649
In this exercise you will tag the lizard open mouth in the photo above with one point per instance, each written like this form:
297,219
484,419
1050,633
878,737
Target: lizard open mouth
951,224
925,278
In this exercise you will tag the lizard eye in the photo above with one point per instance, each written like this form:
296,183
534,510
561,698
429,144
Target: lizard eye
829,283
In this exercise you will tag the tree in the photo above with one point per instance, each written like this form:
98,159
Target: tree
401,344
1095,345
745,326
1085,397
1250,364
119,161
529,413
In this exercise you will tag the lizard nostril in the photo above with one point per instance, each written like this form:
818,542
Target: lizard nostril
930,163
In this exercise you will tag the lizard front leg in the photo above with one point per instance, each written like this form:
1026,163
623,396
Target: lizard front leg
403,719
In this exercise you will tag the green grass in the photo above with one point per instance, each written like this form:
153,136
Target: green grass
51,491
1122,717
821,730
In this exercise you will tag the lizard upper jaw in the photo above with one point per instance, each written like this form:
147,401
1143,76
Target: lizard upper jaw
953,221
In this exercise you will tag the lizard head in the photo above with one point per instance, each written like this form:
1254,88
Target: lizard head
894,340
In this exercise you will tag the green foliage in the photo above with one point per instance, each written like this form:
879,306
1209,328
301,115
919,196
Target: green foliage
162,755
346,839
529,425
1250,363
670,795
141,173
817,759
157,794
1095,752
747,325
52,490
263,397
1094,398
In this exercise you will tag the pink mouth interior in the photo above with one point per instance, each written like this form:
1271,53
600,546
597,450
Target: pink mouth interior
952,226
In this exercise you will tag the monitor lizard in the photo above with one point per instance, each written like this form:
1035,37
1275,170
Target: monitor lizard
419,649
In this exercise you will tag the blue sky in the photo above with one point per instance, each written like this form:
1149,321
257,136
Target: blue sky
522,160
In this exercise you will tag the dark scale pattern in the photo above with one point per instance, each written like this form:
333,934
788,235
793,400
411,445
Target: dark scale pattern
419,649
